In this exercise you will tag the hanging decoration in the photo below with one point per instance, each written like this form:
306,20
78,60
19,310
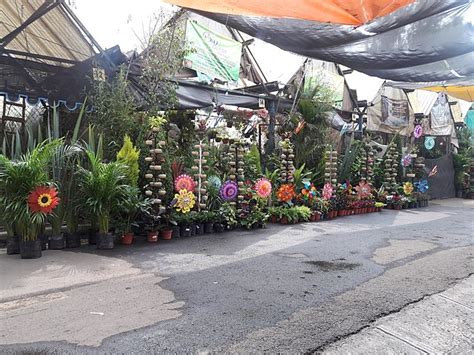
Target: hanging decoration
429,143
418,131
391,169
185,201
43,199
286,193
263,187
327,191
309,191
229,190
184,182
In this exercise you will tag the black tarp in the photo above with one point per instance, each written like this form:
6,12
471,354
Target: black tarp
428,40
441,185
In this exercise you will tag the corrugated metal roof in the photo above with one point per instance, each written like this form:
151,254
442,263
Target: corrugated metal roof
54,34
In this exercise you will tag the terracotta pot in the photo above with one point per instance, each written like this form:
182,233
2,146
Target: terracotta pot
316,216
166,234
274,219
284,220
397,207
127,238
152,236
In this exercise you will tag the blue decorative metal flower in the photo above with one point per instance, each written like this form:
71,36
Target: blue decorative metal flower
422,185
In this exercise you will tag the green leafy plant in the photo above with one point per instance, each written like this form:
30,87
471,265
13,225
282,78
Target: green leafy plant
104,189
303,212
129,155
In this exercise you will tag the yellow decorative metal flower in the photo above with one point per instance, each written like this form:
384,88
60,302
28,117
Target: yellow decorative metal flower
408,188
185,201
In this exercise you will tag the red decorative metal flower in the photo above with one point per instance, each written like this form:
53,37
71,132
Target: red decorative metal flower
364,190
184,182
43,199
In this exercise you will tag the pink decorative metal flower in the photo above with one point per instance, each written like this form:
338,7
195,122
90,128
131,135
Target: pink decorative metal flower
363,190
327,191
263,187
184,182
229,190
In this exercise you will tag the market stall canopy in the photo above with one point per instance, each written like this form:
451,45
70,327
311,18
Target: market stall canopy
462,89
420,40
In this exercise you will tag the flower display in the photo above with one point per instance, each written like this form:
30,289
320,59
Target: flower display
263,187
214,181
408,188
286,192
327,191
43,199
229,190
406,161
184,182
185,201
364,190
418,132
422,186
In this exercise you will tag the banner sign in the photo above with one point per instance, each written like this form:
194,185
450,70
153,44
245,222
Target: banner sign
216,56
395,113
440,113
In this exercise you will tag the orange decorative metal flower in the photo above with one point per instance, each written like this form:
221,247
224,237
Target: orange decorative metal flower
43,199
286,192
184,182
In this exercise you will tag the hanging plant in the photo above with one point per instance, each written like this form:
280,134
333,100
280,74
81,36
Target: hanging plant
263,187
43,199
185,201
286,193
184,182
229,190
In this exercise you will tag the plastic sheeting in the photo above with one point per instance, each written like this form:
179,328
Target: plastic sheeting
351,12
441,185
427,40
391,112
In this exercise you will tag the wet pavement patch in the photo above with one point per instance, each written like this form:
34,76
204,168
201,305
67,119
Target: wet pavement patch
332,266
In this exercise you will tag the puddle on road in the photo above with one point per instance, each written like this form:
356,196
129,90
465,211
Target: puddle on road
327,266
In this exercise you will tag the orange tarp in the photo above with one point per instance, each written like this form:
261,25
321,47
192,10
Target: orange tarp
349,12
465,93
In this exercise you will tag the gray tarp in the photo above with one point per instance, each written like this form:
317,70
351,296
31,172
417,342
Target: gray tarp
441,185
428,40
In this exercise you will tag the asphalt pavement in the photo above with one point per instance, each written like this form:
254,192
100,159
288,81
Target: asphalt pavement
301,288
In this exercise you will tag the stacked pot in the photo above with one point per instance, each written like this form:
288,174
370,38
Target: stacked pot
155,189
287,168
368,169
391,169
330,167
200,154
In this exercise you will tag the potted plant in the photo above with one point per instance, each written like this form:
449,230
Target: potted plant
72,236
104,189
28,196
304,213
208,219
184,222
130,207
229,215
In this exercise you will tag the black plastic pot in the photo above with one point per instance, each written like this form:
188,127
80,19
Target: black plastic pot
56,242
73,240
44,241
200,229
176,231
30,249
186,231
209,227
105,241
218,227
13,245
92,237
193,230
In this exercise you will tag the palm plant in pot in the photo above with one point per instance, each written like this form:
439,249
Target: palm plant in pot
28,196
104,189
